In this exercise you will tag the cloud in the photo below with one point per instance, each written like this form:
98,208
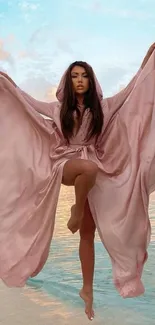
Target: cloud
10,38
59,40
124,13
39,88
28,5
110,61
97,5
28,9
114,10
44,48
5,55
50,94
27,55
37,35
112,78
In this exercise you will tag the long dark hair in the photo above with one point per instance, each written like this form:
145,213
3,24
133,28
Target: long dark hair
91,101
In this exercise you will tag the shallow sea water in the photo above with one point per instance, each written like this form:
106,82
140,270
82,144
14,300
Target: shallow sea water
61,277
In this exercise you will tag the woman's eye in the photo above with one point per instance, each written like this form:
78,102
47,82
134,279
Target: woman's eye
74,76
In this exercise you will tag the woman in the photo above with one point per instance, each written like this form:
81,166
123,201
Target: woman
89,144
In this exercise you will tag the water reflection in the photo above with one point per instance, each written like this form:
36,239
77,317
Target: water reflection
61,276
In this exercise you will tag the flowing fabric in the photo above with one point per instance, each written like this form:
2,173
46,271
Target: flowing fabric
32,155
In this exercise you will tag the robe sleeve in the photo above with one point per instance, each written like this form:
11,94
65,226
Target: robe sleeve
43,108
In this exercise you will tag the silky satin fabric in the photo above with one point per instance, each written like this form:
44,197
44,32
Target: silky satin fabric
32,155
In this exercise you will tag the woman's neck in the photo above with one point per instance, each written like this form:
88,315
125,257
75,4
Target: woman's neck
80,99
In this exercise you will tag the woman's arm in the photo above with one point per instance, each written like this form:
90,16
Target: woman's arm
41,107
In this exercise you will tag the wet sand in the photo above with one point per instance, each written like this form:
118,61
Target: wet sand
29,307
25,306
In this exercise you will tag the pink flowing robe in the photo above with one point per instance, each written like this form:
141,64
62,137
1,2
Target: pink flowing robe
32,155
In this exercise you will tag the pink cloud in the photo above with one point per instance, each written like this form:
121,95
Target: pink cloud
39,88
50,94
5,55
25,54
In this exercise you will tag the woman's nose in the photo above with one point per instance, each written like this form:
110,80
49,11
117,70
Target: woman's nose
79,79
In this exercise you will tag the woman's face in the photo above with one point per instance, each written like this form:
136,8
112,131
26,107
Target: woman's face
80,80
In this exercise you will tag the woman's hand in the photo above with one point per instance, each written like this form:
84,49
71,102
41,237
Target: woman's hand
7,77
149,53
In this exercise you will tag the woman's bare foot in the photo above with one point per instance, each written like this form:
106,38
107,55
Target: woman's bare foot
88,300
74,222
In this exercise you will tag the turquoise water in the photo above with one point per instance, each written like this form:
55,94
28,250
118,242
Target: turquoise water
61,277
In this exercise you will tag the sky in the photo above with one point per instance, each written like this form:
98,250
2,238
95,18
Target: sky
40,38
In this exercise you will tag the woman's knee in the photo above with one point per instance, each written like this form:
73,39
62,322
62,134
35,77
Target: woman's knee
74,168
91,168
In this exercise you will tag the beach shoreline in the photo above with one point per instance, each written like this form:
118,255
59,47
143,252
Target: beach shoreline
29,306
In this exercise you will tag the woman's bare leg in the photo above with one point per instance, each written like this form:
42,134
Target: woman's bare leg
82,174
87,258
